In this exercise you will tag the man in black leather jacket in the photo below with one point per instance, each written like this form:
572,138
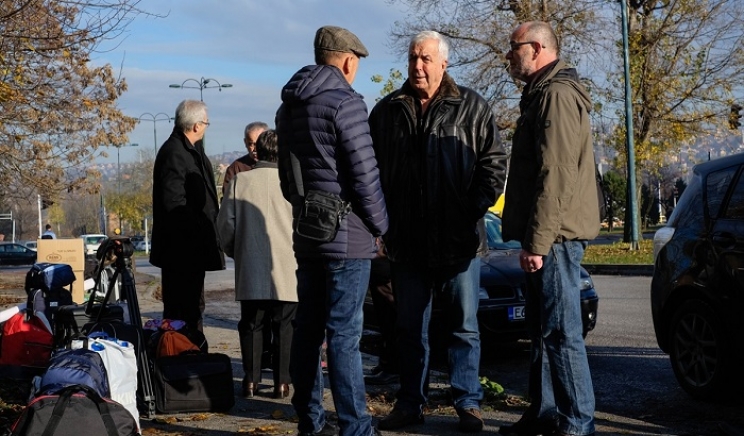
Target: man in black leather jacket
441,166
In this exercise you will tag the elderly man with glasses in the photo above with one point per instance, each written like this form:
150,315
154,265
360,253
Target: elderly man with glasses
185,206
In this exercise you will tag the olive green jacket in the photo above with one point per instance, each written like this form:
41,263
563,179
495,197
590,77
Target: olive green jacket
551,191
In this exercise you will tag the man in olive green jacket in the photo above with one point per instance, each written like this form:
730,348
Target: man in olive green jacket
551,208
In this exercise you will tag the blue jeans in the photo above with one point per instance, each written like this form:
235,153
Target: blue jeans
331,297
413,286
560,381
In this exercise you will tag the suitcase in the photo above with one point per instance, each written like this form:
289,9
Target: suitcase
193,382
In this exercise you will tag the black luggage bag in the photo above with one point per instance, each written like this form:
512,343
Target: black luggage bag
194,382
73,411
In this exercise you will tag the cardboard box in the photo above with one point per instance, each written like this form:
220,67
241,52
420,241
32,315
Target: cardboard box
69,251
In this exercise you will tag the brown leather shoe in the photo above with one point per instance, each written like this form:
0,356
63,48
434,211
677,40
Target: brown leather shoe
470,420
281,391
249,389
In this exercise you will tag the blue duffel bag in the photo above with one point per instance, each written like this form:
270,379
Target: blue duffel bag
75,367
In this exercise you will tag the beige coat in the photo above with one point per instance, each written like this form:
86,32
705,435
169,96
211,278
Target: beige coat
255,226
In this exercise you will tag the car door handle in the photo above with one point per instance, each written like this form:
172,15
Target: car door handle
726,240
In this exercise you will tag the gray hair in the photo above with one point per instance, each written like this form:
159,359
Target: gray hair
430,34
256,125
190,112
543,33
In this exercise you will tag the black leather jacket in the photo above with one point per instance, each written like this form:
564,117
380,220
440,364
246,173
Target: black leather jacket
440,172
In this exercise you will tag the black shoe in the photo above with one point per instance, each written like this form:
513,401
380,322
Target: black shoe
399,419
327,430
470,420
531,427
381,378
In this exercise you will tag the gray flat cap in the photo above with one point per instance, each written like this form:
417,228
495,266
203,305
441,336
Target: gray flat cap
339,39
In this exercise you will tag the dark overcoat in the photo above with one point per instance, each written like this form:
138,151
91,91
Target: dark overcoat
184,207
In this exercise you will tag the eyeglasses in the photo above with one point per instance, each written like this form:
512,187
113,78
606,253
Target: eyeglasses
206,123
514,46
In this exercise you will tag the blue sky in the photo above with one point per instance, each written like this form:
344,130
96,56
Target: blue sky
255,45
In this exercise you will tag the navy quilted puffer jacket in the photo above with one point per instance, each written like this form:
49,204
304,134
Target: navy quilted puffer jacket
323,121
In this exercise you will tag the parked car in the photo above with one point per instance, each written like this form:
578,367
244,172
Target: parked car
502,290
141,245
697,290
16,254
92,242
31,245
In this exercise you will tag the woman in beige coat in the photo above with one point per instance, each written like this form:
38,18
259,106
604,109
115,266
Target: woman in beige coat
255,226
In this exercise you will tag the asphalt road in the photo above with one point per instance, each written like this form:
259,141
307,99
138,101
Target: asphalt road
635,387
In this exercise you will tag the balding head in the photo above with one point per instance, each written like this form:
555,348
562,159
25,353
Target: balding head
533,45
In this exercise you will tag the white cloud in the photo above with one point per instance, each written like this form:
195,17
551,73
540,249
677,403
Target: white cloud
254,45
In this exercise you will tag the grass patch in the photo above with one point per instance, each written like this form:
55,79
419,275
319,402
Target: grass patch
620,253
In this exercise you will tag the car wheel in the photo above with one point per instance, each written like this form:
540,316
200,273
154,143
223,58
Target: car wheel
700,354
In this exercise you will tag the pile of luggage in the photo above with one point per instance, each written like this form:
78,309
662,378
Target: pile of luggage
93,366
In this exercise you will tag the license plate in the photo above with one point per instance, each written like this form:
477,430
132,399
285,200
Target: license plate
516,313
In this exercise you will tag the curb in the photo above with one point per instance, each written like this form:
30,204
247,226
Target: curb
620,270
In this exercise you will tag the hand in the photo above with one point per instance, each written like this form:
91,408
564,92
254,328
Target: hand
530,262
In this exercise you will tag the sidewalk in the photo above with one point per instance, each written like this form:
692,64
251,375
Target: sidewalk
265,415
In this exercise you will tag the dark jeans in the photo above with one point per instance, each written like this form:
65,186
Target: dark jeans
331,294
385,312
183,295
255,315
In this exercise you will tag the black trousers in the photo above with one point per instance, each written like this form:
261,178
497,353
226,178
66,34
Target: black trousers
183,295
254,316
386,313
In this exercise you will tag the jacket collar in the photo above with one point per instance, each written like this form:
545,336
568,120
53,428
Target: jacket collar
266,164
447,90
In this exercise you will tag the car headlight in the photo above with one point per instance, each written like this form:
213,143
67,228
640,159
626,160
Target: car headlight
482,293
661,237
586,283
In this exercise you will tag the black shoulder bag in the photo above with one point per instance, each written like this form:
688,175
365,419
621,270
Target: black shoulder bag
321,213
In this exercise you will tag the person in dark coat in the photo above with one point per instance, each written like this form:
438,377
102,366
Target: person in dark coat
324,145
247,161
441,167
185,205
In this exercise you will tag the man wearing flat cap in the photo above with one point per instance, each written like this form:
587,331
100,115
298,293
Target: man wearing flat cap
325,145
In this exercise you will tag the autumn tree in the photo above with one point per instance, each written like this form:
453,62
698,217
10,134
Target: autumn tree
57,110
687,63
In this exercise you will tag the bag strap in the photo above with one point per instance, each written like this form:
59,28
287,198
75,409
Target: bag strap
64,400
297,171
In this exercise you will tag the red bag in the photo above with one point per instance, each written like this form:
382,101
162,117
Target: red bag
25,342
172,343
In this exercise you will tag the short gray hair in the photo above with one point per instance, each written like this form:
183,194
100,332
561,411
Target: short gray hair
190,112
256,125
430,34
543,33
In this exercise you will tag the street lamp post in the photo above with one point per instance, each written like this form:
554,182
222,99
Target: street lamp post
201,85
118,177
154,119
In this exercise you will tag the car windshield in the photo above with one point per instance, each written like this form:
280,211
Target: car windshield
94,239
493,230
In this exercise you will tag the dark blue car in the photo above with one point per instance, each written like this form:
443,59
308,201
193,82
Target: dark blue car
16,254
502,289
